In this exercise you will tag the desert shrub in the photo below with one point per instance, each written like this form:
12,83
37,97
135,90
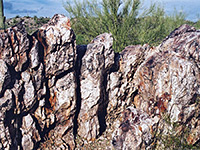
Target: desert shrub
113,16
35,18
152,29
127,20
196,24
17,16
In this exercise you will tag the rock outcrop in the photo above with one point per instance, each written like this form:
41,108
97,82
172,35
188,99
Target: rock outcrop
167,84
38,87
56,95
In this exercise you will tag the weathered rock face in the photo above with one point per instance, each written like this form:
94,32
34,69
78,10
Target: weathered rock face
6,107
5,77
30,134
183,108
96,63
168,88
166,80
14,47
52,91
38,85
59,51
120,87
135,130
58,41
58,109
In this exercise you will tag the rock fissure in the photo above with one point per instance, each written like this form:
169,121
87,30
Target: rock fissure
80,53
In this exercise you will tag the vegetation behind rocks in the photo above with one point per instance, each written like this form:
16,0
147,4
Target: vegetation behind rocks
31,23
128,21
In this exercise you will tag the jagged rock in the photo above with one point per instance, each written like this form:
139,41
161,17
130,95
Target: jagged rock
120,87
164,85
63,103
14,49
30,134
5,77
15,46
135,130
164,81
57,38
168,82
58,41
6,104
184,41
98,59
39,70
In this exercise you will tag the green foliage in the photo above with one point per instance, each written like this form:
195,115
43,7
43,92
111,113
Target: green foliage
35,18
31,23
40,20
15,21
128,22
152,29
43,20
113,16
17,16
196,24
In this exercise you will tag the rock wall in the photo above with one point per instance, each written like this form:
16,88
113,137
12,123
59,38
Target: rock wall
53,93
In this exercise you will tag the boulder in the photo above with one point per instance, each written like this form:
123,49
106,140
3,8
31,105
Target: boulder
96,63
56,112
168,84
58,41
165,86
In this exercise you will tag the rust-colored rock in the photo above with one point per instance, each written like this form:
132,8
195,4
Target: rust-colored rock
59,56
168,82
14,47
38,72
57,39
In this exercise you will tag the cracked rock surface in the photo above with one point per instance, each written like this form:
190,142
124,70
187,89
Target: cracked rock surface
167,84
37,85
56,95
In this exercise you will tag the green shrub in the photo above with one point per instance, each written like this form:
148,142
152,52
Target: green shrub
15,21
35,18
113,16
127,20
152,29
17,16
